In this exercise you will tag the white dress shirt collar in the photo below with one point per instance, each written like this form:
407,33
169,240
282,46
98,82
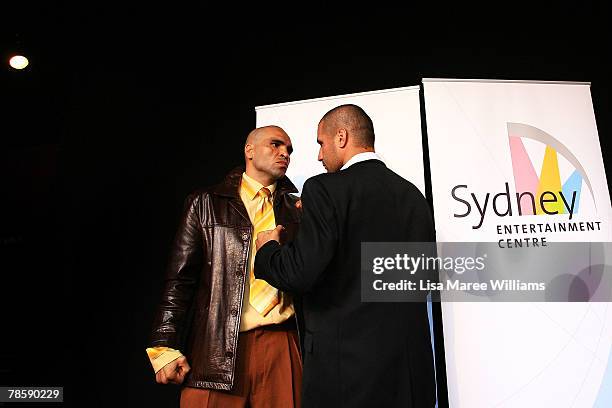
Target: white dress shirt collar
359,157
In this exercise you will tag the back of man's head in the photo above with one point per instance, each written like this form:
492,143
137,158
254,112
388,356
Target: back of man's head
352,118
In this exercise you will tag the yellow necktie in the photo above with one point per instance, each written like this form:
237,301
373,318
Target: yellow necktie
262,296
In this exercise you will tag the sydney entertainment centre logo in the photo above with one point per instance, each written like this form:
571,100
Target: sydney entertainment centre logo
543,194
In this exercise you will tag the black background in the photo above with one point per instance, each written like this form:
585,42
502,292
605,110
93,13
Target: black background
124,109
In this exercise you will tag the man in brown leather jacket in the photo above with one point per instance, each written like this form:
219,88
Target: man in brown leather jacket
238,333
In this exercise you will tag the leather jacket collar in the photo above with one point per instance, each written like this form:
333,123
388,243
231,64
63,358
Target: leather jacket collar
229,187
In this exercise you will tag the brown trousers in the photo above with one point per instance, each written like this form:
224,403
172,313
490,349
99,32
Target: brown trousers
268,374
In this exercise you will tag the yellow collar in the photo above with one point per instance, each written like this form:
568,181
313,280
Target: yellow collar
251,186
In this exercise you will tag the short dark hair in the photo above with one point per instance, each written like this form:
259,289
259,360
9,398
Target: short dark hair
354,119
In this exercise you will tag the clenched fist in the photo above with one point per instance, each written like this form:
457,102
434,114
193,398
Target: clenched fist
269,235
174,372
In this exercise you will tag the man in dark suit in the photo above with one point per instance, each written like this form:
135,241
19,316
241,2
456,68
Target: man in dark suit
356,354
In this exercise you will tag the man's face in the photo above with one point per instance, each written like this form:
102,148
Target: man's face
271,153
328,153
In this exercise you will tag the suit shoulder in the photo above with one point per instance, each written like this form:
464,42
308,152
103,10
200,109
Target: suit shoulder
325,179
407,185
407,189
322,185
411,188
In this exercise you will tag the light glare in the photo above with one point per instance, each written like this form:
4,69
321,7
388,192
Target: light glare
18,62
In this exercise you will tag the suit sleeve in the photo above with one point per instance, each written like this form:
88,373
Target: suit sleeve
185,263
296,266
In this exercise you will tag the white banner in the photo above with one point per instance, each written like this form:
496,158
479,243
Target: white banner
519,163
397,125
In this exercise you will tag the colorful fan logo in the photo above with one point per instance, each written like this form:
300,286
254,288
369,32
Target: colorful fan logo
530,185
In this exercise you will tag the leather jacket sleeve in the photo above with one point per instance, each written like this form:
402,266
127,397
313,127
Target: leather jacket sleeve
186,260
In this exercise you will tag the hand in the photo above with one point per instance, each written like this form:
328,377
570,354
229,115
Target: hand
298,204
269,235
174,372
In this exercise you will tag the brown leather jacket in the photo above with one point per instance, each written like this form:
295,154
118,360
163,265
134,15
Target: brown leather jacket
202,300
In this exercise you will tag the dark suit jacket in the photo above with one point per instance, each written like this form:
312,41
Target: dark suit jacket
356,354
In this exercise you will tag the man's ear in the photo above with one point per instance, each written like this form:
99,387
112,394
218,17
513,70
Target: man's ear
248,151
341,138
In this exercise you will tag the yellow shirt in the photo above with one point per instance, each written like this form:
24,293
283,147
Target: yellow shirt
250,319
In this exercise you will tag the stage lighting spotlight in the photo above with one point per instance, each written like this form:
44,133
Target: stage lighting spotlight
18,62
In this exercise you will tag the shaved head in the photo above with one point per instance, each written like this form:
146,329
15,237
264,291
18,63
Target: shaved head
266,154
354,120
255,135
